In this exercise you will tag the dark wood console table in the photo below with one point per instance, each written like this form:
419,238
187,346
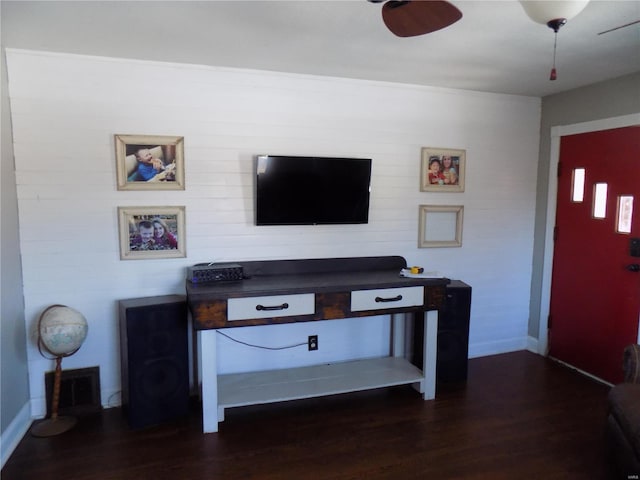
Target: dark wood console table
286,291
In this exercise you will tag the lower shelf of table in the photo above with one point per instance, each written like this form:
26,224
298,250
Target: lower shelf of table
242,389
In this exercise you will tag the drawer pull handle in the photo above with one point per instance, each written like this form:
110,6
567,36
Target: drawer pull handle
393,299
284,306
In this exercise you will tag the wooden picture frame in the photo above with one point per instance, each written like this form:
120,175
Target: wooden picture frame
149,162
445,179
152,232
440,226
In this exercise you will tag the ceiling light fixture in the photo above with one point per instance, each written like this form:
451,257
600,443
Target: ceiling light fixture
553,14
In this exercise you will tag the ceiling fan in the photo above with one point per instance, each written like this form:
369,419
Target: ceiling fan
412,18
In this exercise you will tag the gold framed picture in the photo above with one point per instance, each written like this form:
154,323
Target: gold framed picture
442,170
152,232
149,162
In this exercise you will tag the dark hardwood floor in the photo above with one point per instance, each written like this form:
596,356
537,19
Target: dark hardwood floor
519,416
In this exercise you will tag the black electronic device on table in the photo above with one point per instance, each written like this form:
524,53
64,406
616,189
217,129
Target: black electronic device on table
215,272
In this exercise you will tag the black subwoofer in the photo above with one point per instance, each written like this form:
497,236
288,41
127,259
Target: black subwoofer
453,335
154,359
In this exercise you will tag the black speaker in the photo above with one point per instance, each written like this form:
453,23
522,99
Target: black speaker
453,335
154,359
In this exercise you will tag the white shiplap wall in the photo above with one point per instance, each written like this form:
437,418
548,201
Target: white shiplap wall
67,108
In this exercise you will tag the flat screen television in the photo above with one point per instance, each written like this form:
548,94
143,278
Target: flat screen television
294,190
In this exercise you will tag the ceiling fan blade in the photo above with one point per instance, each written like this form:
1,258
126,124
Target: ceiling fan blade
619,27
412,18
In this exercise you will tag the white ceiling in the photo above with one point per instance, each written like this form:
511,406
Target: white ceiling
495,47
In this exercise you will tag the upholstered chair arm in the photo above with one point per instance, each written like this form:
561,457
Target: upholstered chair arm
631,364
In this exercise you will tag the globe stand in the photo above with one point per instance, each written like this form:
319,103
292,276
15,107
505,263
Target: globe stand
54,425
61,331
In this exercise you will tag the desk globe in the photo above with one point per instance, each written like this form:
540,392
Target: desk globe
61,332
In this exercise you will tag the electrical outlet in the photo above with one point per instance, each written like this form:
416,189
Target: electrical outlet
313,342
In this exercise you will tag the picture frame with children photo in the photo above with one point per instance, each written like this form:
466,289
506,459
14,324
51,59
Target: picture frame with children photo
149,162
152,232
442,170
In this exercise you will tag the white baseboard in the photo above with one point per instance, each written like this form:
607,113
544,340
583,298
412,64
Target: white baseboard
533,345
495,348
12,435
38,407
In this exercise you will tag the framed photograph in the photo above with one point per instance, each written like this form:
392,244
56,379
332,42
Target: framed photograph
442,170
149,162
440,226
151,232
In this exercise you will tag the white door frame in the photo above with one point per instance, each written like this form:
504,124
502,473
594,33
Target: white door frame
556,134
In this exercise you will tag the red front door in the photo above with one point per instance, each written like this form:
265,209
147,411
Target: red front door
595,292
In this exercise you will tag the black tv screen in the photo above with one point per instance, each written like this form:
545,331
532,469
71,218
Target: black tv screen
312,190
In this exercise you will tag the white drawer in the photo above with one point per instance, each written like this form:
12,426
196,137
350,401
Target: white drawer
385,298
270,306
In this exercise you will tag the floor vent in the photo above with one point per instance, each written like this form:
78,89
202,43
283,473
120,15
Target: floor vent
79,391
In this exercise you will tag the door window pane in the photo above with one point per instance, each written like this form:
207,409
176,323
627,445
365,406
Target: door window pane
625,211
600,200
577,185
